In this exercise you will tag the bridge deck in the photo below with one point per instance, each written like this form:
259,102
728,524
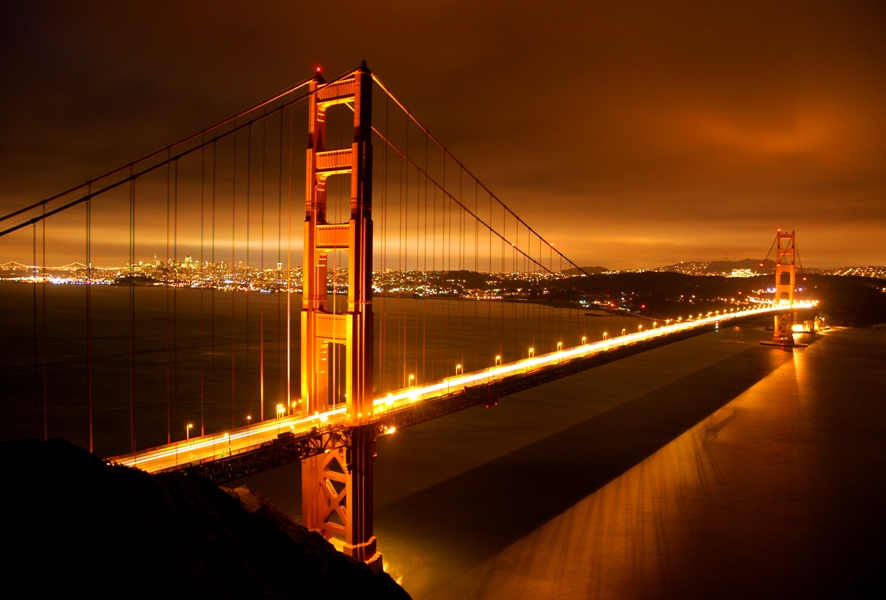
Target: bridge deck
246,450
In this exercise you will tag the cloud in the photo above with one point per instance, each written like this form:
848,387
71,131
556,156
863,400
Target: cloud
636,117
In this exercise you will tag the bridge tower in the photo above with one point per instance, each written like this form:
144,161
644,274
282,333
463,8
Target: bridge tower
785,280
337,485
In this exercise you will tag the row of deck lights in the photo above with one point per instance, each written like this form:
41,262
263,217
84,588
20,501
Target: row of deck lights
584,339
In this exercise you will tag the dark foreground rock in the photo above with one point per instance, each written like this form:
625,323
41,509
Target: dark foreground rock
70,523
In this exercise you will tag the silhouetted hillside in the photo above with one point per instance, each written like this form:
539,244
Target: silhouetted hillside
582,270
844,300
75,526
847,300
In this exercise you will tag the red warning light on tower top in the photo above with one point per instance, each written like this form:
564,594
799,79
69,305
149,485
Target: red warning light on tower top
319,69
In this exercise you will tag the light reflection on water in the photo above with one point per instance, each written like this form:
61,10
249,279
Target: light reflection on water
757,500
622,535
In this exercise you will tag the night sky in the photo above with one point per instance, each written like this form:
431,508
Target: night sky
659,131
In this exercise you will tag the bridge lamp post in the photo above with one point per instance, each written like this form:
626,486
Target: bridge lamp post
605,335
623,330
531,352
411,379
584,340
459,369
188,431
248,419
559,346
639,328
654,324
498,360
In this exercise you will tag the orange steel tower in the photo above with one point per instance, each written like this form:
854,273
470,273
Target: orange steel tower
337,485
785,278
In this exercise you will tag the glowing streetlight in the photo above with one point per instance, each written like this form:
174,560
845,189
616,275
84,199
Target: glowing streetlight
559,346
584,340
605,335
188,431
459,369
639,328
623,330
531,352
497,360
280,411
654,324
411,379
248,419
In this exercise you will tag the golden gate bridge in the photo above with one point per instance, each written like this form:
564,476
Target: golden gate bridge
402,222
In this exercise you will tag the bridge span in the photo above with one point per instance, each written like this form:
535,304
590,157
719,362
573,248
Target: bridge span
247,450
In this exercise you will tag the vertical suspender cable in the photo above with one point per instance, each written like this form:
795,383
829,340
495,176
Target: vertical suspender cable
261,298
504,226
175,284
202,287
289,280
217,274
491,278
281,382
168,273
233,268
476,322
403,239
89,316
35,390
132,438
382,346
247,276
424,315
45,361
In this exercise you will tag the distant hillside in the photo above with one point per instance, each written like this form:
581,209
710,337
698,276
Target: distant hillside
582,270
852,301
75,527
718,267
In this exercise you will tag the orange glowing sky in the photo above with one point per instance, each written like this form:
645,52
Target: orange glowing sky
659,132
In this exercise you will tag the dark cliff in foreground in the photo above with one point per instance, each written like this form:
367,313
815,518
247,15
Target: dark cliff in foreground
70,523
